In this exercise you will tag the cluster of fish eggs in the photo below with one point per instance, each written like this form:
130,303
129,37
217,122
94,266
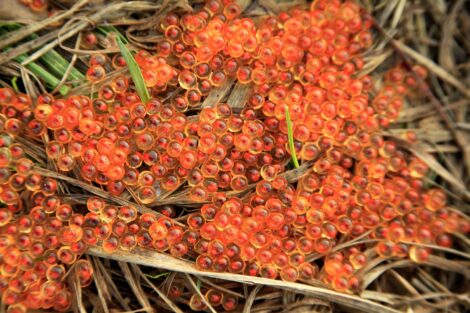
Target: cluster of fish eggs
41,237
254,218
35,5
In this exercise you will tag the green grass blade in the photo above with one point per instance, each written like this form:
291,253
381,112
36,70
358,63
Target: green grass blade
290,136
58,65
134,69
105,30
43,74
52,59
157,275
14,84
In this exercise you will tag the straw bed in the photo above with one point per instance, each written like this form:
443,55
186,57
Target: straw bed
434,34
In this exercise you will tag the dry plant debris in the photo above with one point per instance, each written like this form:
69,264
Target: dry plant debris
146,149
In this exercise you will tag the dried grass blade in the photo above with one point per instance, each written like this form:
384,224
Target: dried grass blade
217,94
251,299
97,191
372,275
197,288
434,165
157,290
433,67
439,248
449,265
219,287
239,96
16,36
103,293
113,289
136,287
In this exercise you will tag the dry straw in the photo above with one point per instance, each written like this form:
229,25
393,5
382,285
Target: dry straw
432,33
